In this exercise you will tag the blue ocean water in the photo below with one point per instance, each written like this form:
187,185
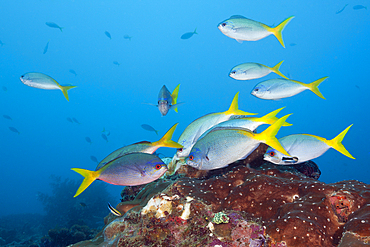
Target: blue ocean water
108,96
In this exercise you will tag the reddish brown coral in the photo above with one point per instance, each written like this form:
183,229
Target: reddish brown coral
294,210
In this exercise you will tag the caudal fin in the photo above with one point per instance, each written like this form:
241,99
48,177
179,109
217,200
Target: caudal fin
271,118
277,31
268,135
166,141
65,90
90,176
234,108
195,31
175,95
276,70
336,143
313,86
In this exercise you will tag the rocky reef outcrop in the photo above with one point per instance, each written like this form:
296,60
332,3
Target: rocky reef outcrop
249,203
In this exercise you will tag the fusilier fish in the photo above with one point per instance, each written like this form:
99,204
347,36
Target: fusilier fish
88,139
249,71
243,29
167,101
7,117
189,35
149,128
93,158
304,147
46,48
73,72
76,121
42,81
104,137
129,170
221,146
283,88
108,34
357,7
54,25
14,130
196,128
142,147
250,123
127,37
341,10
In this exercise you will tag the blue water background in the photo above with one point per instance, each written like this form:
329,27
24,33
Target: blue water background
111,97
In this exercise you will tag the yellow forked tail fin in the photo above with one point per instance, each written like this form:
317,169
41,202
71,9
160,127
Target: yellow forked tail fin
271,118
313,86
268,135
174,96
336,143
234,108
276,70
166,141
277,31
90,176
65,90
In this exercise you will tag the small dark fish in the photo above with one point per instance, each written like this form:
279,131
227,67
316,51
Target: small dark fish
357,7
340,11
357,86
189,35
54,25
7,117
1,43
113,210
309,168
106,131
116,63
75,120
4,88
73,72
69,119
293,44
83,204
127,37
149,128
46,48
14,130
88,139
108,34
104,137
93,158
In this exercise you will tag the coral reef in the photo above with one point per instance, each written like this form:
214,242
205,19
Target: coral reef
249,203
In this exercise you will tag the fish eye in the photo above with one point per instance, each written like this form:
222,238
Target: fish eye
256,89
191,157
223,24
180,150
272,153
158,166
233,72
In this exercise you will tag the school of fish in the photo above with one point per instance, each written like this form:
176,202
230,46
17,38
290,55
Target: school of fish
215,140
